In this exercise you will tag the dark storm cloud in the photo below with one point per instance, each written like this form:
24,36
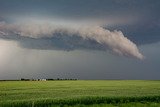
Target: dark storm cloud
144,13
123,26
137,19
80,7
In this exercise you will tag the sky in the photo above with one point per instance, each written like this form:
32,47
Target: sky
83,39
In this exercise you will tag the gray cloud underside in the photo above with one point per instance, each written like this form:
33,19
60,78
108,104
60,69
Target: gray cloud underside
58,42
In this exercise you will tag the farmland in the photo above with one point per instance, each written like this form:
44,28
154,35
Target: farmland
96,93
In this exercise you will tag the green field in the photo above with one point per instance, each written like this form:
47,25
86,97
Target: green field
93,93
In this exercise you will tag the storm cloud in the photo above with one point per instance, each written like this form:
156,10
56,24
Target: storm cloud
67,33
82,39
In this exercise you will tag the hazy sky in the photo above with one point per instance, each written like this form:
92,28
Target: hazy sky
84,39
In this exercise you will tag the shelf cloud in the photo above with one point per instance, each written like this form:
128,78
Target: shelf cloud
68,36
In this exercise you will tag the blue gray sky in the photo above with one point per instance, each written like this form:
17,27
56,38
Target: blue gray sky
84,39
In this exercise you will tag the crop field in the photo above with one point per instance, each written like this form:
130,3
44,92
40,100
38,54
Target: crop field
80,93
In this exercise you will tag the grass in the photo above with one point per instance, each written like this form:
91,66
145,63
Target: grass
119,105
72,93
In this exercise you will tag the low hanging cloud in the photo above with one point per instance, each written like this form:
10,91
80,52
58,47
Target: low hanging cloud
70,36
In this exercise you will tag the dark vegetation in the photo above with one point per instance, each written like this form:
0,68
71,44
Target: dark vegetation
82,101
